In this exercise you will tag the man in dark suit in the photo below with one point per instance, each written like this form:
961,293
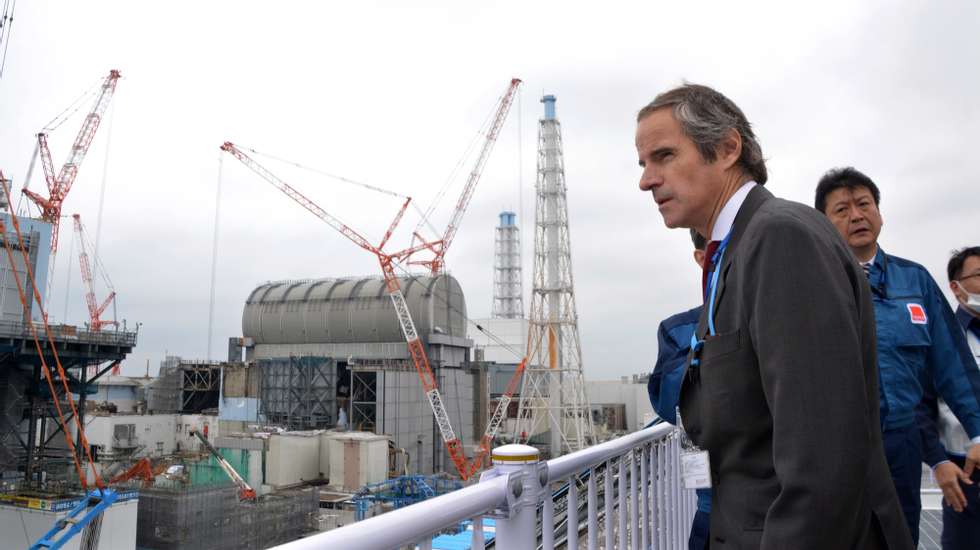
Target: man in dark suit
782,386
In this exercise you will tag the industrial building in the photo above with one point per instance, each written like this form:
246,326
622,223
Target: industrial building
326,345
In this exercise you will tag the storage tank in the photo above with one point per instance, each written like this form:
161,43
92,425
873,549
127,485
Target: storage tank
339,311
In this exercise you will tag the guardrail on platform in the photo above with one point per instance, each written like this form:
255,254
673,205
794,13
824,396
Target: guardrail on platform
68,333
626,491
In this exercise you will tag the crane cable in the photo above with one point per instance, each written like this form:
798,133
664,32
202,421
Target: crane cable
6,20
54,352
482,131
341,178
72,108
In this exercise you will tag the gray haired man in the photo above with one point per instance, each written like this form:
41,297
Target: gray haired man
781,391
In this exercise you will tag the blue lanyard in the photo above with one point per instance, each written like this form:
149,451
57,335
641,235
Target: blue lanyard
710,293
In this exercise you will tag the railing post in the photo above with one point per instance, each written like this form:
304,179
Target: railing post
516,525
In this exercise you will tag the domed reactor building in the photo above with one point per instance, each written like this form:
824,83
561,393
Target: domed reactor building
331,351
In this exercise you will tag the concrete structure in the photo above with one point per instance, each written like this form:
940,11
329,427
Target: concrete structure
554,387
154,435
508,287
293,457
211,517
24,521
356,459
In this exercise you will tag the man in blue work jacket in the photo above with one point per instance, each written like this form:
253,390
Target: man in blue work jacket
945,442
664,387
917,336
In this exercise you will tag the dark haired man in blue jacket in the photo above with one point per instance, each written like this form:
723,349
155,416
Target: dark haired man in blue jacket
917,333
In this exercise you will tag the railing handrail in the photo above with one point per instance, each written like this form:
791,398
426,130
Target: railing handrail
408,525
69,332
564,466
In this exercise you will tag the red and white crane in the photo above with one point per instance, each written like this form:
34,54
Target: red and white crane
95,310
60,184
436,264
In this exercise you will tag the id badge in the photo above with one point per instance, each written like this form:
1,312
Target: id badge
695,469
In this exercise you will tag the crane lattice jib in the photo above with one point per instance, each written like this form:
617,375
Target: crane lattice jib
60,184
464,199
87,133
292,193
94,309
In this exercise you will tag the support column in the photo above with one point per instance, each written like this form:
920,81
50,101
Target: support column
516,529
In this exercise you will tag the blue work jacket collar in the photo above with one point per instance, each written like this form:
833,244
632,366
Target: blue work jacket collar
968,321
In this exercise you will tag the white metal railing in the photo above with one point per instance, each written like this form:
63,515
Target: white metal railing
624,494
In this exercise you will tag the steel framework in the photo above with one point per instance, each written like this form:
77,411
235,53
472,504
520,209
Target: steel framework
299,392
553,394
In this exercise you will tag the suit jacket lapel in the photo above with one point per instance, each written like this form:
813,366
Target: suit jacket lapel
756,197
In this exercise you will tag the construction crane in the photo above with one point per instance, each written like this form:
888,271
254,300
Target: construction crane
60,184
95,311
415,347
439,247
245,491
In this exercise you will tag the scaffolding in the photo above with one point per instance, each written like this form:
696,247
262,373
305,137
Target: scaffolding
212,518
299,393
200,386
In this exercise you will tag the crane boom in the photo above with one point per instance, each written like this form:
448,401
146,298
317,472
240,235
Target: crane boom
245,491
415,347
300,198
60,184
95,311
440,247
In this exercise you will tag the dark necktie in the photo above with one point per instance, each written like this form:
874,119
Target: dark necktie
867,270
709,253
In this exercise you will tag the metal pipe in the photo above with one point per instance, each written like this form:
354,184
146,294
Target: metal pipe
548,522
622,504
477,543
591,505
608,500
634,505
571,515
645,499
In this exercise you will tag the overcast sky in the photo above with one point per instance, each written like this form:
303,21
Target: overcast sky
393,92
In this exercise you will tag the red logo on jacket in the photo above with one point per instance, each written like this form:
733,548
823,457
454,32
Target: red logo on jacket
917,313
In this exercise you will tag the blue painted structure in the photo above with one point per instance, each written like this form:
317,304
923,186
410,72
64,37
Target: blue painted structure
89,508
549,106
